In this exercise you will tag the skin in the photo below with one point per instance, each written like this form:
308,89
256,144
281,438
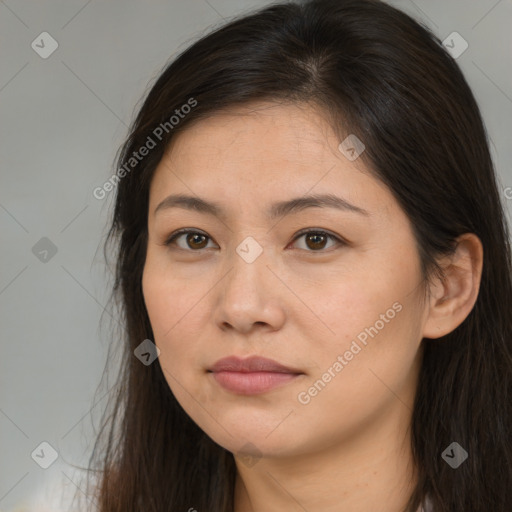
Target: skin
301,303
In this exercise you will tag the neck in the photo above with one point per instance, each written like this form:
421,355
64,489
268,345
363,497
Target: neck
371,469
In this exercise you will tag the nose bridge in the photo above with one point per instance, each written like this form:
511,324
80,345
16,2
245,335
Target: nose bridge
246,289
248,262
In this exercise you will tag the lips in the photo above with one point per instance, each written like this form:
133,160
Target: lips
253,375
251,364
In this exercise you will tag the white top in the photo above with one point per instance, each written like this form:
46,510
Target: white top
426,507
58,496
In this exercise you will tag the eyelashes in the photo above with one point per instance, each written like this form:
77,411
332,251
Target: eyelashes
171,240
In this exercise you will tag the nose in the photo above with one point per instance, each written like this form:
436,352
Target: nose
250,294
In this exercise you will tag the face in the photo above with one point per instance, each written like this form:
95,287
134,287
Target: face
330,291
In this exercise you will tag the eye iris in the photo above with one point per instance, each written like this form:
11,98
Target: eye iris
192,236
315,237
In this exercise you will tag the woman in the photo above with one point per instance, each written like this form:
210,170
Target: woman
314,269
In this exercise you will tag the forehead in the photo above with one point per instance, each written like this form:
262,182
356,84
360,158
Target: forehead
262,151
263,136
262,130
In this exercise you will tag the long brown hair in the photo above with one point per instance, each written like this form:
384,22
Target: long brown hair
375,70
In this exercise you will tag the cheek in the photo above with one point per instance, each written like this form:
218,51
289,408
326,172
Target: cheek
378,330
354,296
369,367
176,313
375,316
363,296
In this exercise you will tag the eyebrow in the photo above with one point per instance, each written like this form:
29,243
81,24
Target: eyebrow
278,209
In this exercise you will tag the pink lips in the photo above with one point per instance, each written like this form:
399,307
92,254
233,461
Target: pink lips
252,375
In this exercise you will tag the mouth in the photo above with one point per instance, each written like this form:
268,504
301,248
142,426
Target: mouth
253,375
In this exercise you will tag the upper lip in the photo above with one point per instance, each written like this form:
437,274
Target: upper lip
250,364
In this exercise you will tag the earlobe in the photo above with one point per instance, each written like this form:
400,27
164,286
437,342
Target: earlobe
453,297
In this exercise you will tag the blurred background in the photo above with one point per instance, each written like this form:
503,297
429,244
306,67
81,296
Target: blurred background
72,74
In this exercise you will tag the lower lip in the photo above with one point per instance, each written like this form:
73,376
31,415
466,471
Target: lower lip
252,383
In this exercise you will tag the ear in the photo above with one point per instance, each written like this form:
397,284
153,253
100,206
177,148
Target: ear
453,297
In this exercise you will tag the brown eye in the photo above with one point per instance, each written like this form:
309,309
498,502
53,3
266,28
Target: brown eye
194,240
315,241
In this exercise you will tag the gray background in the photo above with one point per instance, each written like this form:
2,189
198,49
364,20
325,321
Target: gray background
62,121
